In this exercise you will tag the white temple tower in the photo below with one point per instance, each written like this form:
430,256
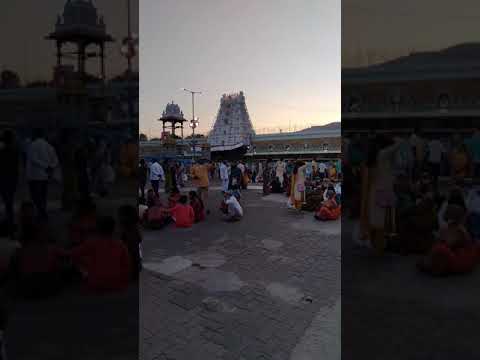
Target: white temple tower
232,129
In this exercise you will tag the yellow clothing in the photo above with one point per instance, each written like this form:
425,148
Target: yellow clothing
460,164
200,175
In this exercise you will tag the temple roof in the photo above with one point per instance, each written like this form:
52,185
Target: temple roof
173,111
80,20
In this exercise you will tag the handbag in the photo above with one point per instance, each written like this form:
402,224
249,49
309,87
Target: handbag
301,187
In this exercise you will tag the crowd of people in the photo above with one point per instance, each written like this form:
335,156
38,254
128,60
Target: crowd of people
417,194
297,179
99,253
313,185
80,168
185,210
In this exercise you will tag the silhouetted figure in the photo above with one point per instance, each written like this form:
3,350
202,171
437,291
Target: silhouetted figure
41,160
9,158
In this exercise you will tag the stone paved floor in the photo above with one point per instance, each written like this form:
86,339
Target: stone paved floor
391,311
74,325
267,287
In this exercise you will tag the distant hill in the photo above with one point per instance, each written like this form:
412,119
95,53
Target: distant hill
331,126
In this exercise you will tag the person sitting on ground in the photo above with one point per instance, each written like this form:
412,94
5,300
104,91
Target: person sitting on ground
103,260
415,218
131,237
455,197
152,199
38,265
455,252
329,187
233,209
329,210
197,204
155,217
142,207
338,192
173,198
84,221
182,213
473,217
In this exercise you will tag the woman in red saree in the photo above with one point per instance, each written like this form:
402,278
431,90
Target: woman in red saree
455,253
329,210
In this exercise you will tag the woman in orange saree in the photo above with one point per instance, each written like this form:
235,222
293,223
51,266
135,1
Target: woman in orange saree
329,210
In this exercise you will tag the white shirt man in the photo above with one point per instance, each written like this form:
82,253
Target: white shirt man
224,176
156,172
435,151
322,168
338,188
235,211
241,167
41,160
41,156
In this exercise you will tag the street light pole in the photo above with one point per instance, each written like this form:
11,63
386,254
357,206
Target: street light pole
194,122
129,33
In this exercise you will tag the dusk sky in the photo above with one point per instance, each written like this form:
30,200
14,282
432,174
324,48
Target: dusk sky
284,55
387,29
23,27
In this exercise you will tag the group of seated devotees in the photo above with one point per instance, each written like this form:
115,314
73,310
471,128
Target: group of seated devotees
444,230
330,209
182,210
97,256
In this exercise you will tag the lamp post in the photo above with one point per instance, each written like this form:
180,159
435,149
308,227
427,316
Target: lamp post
129,51
194,124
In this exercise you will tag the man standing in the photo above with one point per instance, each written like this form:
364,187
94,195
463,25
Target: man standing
322,170
435,152
156,174
224,175
10,159
280,171
41,160
199,174
474,148
418,146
